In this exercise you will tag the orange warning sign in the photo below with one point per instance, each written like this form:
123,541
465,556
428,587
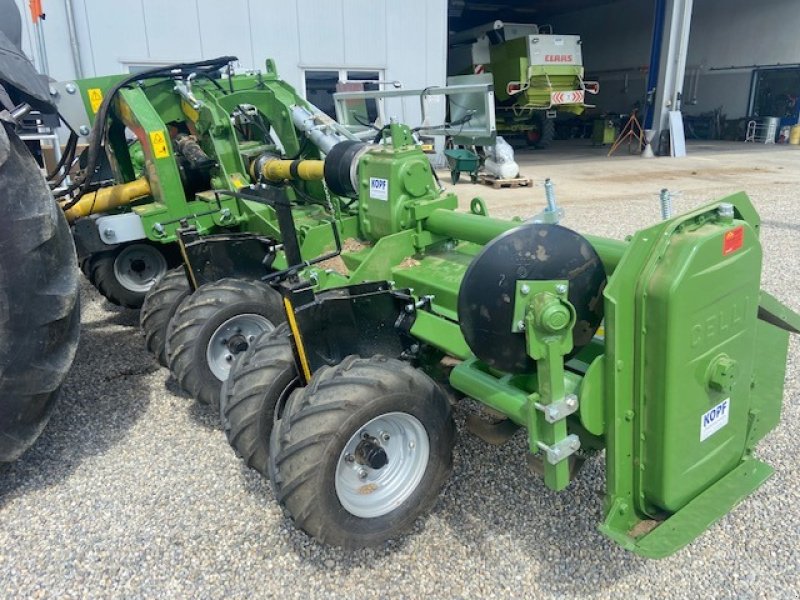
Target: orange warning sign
159,143
95,98
732,240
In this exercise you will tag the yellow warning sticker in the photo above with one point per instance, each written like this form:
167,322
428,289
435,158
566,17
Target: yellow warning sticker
95,98
159,143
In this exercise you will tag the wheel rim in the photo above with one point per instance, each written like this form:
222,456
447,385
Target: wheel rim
368,492
138,266
233,337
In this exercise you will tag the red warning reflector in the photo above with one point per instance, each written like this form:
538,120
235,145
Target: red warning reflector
732,240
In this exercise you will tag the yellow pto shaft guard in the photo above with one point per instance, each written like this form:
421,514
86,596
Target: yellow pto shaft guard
107,198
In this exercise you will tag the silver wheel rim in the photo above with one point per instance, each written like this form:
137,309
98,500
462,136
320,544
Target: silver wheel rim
138,266
233,337
368,492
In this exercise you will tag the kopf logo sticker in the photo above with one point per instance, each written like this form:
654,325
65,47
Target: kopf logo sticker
732,240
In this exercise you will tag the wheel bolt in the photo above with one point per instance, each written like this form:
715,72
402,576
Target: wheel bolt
364,435
251,338
229,357
412,445
362,474
385,436
349,458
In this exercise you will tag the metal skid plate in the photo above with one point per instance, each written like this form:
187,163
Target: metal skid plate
534,251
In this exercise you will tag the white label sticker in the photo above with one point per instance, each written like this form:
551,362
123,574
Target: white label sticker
378,188
715,419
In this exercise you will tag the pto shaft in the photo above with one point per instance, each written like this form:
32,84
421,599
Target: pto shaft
107,198
276,169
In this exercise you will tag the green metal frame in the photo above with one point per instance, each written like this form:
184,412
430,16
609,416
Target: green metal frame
154,107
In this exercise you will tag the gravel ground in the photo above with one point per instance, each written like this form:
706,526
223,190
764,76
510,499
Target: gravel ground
132,491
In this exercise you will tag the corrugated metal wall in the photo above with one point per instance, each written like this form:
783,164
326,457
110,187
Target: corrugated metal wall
405,40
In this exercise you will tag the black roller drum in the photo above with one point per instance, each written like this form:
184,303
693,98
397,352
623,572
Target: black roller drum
535,251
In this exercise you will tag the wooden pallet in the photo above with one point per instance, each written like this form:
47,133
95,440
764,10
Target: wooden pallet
504,183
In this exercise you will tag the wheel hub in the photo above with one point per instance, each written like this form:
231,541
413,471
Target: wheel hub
382,464
370,454
137,267
233,337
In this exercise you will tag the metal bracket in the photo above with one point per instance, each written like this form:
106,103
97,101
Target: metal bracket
558,410
116,229
562,449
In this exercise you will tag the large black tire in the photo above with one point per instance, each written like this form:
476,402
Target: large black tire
159,306
260,382
546,129
39,314
123,281
319,424
200,319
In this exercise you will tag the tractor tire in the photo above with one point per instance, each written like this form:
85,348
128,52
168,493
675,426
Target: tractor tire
253,396
362,452
159,306
125,274
39,294
547,132
214,324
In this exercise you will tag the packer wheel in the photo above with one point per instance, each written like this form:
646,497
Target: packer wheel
362,451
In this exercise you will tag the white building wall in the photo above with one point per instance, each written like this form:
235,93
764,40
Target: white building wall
616,42
406,41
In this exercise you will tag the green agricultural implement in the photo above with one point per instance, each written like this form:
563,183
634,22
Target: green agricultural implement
661,350
176,176
163,148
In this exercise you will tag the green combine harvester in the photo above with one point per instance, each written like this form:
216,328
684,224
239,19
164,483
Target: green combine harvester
536,75
661,350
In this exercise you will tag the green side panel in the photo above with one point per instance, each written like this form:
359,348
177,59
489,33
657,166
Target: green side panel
699,305
591,398
769,372
698,515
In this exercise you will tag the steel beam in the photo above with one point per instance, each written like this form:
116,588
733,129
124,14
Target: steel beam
671,64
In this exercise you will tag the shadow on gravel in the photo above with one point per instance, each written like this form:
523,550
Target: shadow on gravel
100,401
493,499
492,502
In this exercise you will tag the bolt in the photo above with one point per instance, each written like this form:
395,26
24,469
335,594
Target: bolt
110,233
725,211
225,213
158,228
409,308
524,290
385,436
362,474
550,195
83,130
364,435
665,199
349,458
571,401
53,91
251,338
70,87
414,348
412,445
229,357
552,412
561,288
520,325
